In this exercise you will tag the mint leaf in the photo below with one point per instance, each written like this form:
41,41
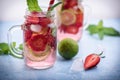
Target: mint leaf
1,52
111,31
101,34
14,44
100,24
21,47
33,5
92,29
4,48
101,30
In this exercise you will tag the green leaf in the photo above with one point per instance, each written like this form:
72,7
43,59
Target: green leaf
21,47
111,31
92,29
1,52
4,48
100,24
33,5
101,30
14,44
101,34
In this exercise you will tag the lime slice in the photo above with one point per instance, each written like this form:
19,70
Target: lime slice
38,56
68,17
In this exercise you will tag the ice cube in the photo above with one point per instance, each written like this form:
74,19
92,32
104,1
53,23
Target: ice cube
35,28
77,65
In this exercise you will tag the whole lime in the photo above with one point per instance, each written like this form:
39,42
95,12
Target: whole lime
68,48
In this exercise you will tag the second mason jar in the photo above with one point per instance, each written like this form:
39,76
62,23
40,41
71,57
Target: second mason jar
70,18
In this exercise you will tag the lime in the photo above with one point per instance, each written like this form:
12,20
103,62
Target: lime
68,48
68,17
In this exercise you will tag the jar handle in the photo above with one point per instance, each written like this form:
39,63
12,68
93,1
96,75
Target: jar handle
87,13
14,52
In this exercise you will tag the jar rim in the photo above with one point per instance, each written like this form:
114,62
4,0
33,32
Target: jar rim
42,13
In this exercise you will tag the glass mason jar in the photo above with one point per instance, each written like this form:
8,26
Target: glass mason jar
39,35
70,19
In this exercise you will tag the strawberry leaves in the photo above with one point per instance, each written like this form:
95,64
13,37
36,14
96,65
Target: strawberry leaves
101,30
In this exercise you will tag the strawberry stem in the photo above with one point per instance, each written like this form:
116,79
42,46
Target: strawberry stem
102,56
100,53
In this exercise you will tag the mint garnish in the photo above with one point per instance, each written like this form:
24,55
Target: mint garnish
101,30
33,5
4,48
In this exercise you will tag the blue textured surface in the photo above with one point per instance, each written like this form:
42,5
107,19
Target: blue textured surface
108,69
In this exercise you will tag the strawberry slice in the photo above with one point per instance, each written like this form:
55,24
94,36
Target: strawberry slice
72,29
62,27
41,53
69,3
35,14
38,42
72,3
52,41
44,21
32,19
91,61
79,20
65,4
27,35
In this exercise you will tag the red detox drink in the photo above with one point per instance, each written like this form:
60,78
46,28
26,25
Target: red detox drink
70,20
39,40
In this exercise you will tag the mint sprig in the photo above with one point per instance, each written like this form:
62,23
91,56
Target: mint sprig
4,48
101,30
33,5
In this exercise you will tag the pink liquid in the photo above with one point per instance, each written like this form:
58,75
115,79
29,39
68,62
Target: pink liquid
39,40
62,35
40,62
69,21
